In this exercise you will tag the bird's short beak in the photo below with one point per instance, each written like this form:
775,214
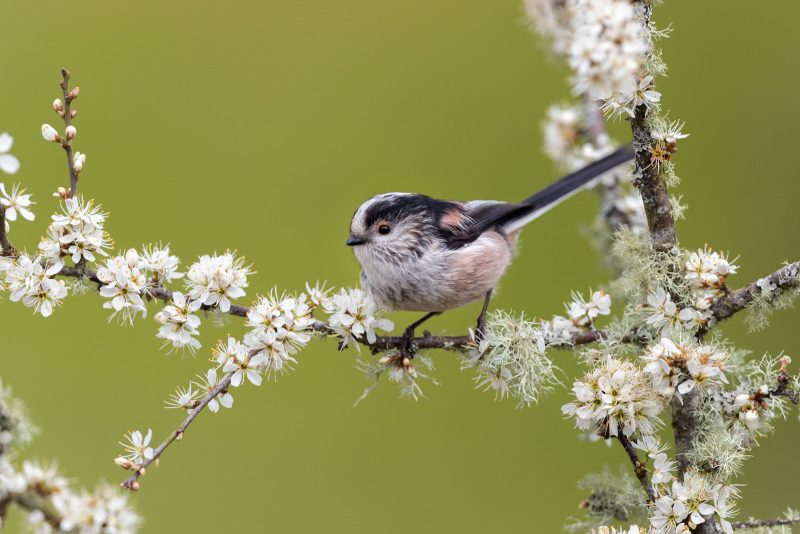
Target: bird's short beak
353,241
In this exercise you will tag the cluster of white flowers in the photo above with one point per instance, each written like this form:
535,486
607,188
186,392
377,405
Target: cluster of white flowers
78,231
581,314
662,465
605,44
684,505
179,323
751,408
708,272
664,312
30,281
125,284
104,511
217,279
279,327
354,316
569,141
160,264
511,359
679,367
615,396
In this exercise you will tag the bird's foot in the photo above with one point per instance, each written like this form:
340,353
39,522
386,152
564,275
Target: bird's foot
407,343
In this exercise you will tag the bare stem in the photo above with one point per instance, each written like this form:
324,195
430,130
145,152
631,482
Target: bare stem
177,434
639,468
786,277
68,98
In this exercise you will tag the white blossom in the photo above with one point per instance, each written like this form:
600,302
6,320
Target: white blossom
78,161
209,383
30,281
607,50
684,365
124,283
185,398
158,262
215,280
355,316
137,447
104,511
618,396
17,201
8,163
77,232
693,501
708,269
179,323
583,312
50,134
669,133
243,366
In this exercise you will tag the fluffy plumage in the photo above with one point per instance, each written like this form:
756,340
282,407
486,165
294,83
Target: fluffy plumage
422,254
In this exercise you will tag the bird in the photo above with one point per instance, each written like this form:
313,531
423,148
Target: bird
418,253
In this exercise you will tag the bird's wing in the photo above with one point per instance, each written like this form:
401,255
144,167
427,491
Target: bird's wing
482,215
476,218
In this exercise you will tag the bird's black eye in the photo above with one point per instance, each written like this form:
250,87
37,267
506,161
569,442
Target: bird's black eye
384,229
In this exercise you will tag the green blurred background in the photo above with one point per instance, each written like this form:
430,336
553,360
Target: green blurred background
260,126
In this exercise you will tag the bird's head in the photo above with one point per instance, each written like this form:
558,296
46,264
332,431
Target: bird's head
393,228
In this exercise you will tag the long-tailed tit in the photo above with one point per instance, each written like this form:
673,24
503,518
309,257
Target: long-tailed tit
422,254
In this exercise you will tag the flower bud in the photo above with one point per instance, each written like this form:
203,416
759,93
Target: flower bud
751,419
58,105
50,134
763,390
61,193
72,95
71,132
77,162
73,113
123,462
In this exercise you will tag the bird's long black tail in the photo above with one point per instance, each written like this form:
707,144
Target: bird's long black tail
539,203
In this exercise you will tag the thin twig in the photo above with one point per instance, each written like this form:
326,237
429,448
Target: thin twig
68,98
639,468
786,277
132,482
382,343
